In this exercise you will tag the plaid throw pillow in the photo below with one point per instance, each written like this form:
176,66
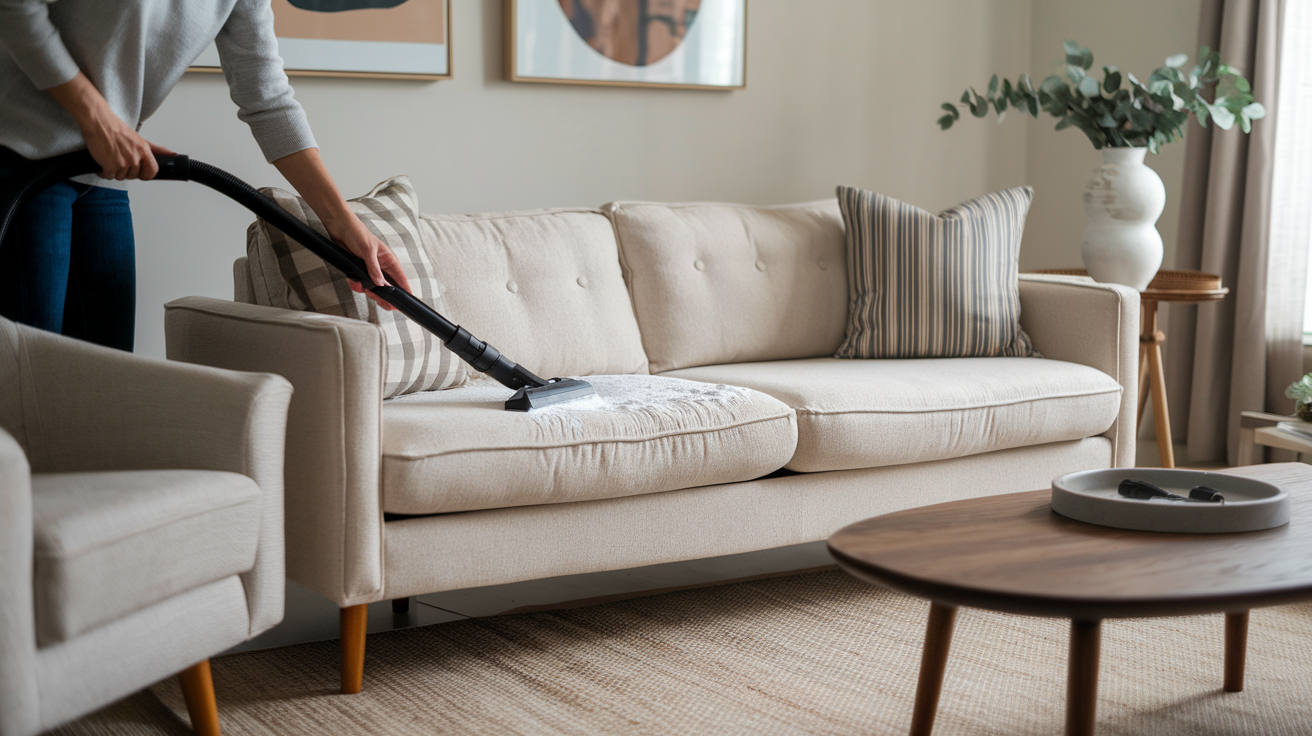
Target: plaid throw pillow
294,278
934,286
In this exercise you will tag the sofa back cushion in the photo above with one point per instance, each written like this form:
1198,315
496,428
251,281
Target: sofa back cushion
724,283
543,286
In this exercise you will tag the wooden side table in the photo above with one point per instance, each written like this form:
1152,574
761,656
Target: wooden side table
1258,429
1181,287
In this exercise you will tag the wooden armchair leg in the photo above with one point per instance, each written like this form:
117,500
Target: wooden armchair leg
198,691
355,620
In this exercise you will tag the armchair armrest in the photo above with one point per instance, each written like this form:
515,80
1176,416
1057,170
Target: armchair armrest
1082,321
85,408
19,703
333,505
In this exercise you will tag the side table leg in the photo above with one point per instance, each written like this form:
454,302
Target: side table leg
1236,650
938,637
1082,678
1160,413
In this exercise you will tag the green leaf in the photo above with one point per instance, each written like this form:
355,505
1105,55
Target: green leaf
993,86
1112,81
1034,106
945,122
1246,124
1089,87
1253,111
1000,104
965,97
952,110
1177,61
1224,119
1064,123
1074,52
1075,73
1026,84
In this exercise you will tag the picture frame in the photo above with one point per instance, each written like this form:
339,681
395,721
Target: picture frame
368,39
677,44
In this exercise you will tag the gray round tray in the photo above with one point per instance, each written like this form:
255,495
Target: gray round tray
1091,496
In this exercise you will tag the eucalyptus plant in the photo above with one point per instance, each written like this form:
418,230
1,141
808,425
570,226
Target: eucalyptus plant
1301,392
1120,111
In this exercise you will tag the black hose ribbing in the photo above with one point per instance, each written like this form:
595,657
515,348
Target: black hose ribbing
478,354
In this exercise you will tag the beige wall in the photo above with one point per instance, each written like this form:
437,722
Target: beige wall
839,91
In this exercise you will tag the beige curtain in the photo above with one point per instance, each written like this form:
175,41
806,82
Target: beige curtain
1239,354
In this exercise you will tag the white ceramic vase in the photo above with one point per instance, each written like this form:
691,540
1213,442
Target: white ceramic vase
1122,202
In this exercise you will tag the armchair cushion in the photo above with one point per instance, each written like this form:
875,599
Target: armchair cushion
458,450
108,544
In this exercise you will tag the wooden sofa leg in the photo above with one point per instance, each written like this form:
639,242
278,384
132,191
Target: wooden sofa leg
355,620
198,691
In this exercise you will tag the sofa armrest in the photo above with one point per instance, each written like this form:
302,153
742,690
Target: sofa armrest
333,505
19,703
1079,320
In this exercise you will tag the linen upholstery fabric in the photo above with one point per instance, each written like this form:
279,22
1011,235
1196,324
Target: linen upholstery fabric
727,283
79,407
926,286
871,413
640,434
1079,320
543,286
429,554
287,275
334,515
181,528
82,408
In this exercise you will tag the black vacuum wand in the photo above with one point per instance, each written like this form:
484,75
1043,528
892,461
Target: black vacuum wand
531,392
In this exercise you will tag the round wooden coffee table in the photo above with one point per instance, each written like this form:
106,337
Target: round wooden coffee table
1011,553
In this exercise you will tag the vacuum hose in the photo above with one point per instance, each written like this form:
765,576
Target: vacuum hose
478,354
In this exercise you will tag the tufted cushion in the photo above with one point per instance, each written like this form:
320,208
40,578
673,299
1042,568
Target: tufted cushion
725,283
458,451
872,413
543,286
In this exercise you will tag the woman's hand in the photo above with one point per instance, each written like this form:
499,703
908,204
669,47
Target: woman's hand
384,268
121,152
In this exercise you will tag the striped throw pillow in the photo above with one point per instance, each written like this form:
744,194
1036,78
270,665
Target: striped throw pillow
934,286
294,278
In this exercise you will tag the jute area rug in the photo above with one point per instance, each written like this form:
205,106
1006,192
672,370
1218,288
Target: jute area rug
818,653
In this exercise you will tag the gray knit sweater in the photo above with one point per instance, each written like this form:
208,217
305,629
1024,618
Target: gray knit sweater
135,51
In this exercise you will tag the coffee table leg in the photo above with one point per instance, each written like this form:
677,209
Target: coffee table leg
1082,678
938,637
1236,650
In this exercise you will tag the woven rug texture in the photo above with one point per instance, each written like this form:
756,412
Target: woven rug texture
818,653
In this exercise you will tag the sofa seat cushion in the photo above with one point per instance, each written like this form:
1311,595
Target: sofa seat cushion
108,544
873,413
459,450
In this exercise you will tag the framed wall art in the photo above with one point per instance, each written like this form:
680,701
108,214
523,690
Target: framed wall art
392,39
698,44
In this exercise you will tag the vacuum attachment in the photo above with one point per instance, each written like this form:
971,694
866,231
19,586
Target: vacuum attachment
531,392
556,391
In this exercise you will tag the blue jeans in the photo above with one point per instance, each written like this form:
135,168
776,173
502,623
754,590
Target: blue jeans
68,262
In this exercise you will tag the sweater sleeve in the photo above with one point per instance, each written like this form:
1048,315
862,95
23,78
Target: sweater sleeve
28,35
248,53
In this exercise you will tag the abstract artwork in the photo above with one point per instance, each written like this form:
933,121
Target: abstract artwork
359,38
661,43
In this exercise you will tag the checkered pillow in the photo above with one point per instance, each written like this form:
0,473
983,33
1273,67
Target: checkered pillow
287,275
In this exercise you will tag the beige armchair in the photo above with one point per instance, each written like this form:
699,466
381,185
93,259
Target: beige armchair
140,524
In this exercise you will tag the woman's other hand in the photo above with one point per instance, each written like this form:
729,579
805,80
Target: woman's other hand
121,151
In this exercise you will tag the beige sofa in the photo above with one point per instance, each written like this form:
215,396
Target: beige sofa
140,524
442,491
